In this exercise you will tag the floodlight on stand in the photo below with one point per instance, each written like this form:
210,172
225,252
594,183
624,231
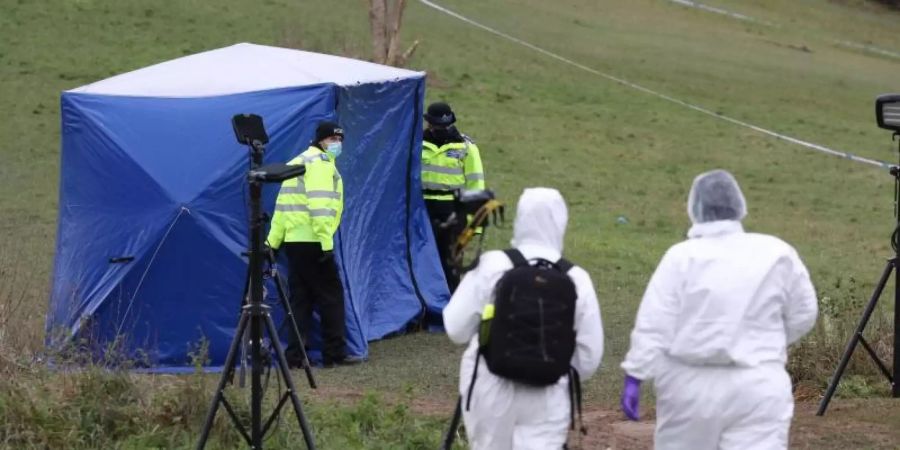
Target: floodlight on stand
255,320
887,112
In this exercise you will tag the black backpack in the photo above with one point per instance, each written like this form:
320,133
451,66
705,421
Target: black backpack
531,337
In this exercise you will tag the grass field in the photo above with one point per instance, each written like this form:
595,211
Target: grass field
613,152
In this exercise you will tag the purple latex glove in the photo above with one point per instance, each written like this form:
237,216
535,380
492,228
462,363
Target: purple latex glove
631,397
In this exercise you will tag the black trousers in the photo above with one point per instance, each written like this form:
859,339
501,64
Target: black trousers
315,285
439,211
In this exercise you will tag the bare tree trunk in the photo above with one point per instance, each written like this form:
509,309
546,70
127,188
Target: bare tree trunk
393,33
377,23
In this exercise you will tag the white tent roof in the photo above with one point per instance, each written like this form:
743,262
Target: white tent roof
243,68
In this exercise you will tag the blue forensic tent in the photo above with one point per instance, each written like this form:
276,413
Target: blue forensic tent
153,212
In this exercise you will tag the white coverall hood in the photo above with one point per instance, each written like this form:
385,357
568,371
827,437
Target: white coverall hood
541,218
716,196
506,415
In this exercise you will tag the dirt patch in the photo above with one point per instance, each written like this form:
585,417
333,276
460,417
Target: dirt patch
434,408
608,429
341,396
859,423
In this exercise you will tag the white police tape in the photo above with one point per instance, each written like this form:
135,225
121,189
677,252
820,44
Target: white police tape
638,87
868,48
713,9
746,18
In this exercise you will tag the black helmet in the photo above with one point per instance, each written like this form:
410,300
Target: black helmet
440,114
327,129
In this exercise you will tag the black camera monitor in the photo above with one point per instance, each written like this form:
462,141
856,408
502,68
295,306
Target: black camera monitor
887,111
249,128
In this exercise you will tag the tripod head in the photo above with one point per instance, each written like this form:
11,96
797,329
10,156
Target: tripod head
250,130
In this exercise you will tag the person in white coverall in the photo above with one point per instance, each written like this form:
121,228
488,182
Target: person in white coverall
713,329
504,414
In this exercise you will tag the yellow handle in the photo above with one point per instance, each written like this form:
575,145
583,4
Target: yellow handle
488,312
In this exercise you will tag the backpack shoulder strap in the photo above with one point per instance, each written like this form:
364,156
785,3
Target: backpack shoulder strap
564,265
517,258
575,400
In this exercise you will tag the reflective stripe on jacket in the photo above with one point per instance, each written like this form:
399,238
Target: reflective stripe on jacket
450,167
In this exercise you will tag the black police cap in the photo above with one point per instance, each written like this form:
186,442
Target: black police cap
327,129
440,114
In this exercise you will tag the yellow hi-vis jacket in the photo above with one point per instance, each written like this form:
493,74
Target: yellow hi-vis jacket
309,208
452,166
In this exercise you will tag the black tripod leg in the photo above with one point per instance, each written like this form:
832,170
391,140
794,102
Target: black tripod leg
454,426
228,370
290,313
257,328
289,382
851,346
245,343
895,379
242,377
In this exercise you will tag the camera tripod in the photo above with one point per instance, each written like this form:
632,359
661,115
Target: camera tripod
255,316
893,265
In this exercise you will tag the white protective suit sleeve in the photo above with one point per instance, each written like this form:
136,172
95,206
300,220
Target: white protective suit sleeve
588,326
654,327
801,307
462,316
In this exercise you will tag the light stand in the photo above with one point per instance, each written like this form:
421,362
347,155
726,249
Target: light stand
887,111
249,130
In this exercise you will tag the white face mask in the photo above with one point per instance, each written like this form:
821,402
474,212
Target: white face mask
333,149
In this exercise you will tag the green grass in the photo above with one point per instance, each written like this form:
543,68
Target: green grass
611,150
99,409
